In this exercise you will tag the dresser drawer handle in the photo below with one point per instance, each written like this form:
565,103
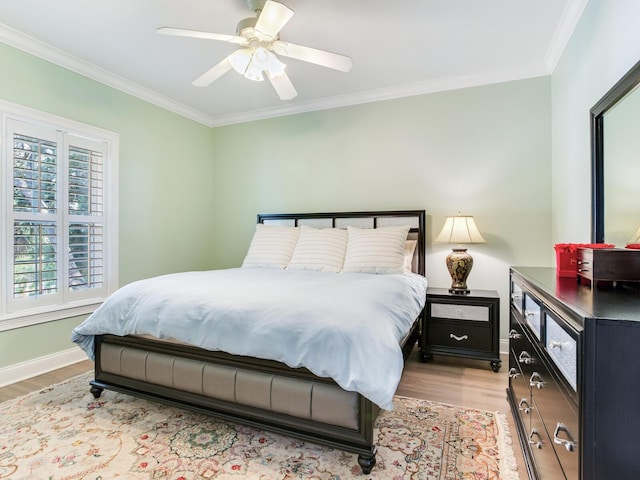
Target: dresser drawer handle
536,380
523,406
513,373
513,334
569,442
533,433
555,344
516,296
459,339
529,313
525,357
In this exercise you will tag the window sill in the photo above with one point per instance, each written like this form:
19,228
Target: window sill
26,319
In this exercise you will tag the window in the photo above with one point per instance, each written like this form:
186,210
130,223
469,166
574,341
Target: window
59,217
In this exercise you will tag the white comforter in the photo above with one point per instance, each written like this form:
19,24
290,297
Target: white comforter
344,326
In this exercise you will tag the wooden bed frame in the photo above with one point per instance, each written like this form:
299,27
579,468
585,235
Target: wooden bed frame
261,393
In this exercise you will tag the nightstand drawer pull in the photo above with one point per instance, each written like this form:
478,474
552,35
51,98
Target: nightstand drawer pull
513,373
523,406
461,338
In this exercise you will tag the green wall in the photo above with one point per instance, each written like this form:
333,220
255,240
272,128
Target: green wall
604,46
484,151
189,195
166,163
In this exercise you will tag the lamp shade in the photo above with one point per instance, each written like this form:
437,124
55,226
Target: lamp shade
636,237
460,229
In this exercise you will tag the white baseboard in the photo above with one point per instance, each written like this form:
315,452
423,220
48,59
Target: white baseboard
38,366
504,346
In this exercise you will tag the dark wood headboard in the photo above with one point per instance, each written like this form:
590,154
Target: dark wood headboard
414,218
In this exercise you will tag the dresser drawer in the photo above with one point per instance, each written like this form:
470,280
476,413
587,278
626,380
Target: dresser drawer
562,349
559,415
516,296
519,385
467,335
547,464
478,313
532,314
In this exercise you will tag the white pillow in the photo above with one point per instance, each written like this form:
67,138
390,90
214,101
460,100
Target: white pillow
409,248
375,250
271,246
320,249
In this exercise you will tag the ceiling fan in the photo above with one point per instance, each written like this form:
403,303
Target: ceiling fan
259,38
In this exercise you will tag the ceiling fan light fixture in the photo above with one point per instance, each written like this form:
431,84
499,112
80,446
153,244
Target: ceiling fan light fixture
240,60
263,59
254,73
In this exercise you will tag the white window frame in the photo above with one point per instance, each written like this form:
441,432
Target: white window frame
65,305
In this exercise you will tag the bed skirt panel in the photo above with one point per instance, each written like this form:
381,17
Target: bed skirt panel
307,399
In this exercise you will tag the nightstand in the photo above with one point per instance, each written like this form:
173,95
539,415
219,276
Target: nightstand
462,325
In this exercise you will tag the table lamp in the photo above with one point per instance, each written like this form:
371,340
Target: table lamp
459,229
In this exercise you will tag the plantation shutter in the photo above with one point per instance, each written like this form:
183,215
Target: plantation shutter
36,216
85,222
58,218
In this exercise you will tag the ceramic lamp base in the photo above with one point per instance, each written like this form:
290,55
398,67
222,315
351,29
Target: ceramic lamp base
459,263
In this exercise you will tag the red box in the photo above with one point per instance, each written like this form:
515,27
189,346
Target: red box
566,263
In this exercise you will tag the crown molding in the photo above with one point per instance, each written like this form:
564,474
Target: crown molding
42,50
391,93
35,47
570,17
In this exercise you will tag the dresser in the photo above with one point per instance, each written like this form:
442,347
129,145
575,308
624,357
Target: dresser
462,325
574,376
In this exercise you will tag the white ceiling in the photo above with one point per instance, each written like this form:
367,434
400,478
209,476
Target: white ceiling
399,48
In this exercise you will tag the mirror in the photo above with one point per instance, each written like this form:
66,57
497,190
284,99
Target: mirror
615,152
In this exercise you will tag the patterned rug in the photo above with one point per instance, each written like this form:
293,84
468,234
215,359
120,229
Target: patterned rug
61,433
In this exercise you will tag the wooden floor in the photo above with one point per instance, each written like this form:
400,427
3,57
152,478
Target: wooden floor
42,381
456,381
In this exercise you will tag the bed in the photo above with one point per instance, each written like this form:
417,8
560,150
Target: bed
250,378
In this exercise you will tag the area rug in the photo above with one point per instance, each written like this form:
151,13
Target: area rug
62,432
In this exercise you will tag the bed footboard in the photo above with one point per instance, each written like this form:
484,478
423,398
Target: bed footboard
261,393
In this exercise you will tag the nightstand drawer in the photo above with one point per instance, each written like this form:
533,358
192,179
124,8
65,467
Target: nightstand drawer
468,335
478,313
462,325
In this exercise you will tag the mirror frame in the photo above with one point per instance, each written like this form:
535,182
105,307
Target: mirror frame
620,90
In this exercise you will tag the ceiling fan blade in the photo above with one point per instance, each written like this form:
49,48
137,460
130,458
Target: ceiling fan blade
313,55
181,32
282,85
272,18
211,75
